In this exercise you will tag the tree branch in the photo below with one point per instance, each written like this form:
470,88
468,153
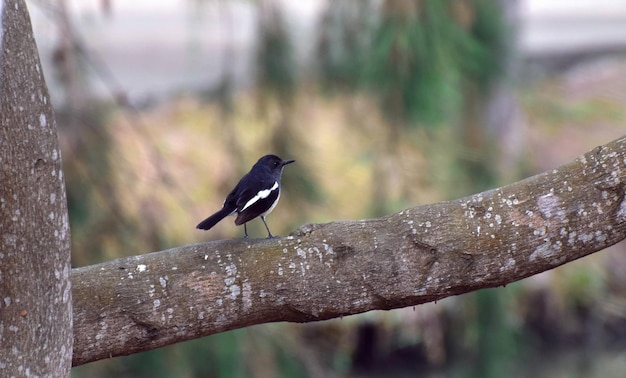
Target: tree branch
336,269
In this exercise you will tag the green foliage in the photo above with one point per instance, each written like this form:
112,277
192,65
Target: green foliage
417,58
409,66
344,39
486,44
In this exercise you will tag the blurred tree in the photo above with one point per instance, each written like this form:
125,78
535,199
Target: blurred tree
482,58
69,70
276,77
344,37
427,63
103,229
276,67
276,88
414,56
225,90
95,214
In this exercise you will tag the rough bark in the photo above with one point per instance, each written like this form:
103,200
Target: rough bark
325,271
35,294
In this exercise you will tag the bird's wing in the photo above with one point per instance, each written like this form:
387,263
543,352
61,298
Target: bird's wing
260,204
232,199
252,192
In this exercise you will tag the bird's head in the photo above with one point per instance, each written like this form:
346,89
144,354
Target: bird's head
273,163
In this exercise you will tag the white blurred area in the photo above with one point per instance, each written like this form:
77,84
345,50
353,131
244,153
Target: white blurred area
572,26
155,48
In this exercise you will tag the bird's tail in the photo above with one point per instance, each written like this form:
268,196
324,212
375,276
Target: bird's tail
213,219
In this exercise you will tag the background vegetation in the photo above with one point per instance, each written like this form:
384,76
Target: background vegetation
399,104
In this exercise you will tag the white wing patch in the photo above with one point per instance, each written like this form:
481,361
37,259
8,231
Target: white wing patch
260,195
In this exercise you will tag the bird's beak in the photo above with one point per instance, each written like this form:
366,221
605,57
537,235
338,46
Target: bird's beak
285,162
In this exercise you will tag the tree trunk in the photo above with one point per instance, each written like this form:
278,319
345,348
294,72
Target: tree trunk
331,270
35,292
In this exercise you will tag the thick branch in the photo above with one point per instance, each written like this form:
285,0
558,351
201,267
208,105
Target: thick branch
341,268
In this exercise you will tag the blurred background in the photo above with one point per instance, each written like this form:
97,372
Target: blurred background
163,105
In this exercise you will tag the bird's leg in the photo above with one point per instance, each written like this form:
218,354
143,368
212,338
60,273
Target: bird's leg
269,234
245,230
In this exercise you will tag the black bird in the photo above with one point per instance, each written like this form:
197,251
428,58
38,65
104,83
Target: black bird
256,194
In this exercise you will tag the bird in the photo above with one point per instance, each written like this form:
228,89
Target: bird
256,195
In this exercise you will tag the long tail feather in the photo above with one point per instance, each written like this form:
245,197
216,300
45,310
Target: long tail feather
213,219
